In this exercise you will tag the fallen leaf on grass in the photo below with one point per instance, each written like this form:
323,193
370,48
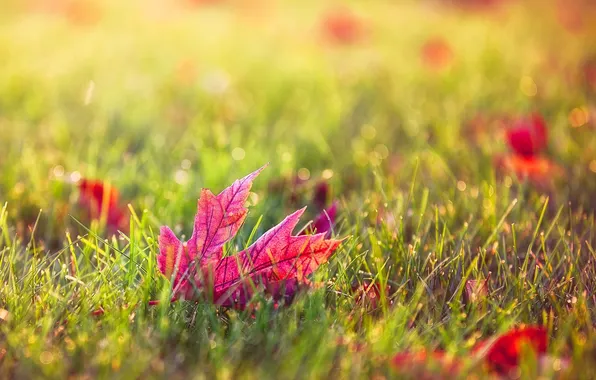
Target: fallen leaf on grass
436,53
528,135
343,27
500,356
277,263
504,353
538,170
321,194
101,201
369,294
527,138
78,12
571,15
324,222
426,365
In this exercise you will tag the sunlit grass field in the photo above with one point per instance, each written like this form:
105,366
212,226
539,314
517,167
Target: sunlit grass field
163,98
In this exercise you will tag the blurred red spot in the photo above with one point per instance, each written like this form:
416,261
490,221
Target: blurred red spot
81,12
536,169
98,312
342,26
423,362
589,73
324,222
570,15
321,194
436,53
369,294
528,135
101,200
504,354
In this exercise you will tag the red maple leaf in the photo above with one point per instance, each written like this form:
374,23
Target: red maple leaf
343,27
79,12
505,353
321,194
427,364
370,294
501,355
277,262
324,221
436,53
102,202
528,135
539,170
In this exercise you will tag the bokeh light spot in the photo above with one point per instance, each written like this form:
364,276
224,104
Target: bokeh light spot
181,177
238,154
304,174
75,177
368,132
46,357
58,171
578,117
